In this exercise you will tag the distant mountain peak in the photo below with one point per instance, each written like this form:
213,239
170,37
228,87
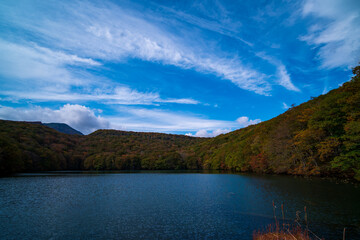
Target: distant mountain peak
63,128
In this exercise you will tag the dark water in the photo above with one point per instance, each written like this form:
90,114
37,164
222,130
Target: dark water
169,205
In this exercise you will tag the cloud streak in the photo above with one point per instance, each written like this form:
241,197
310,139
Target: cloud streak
338,37
141,119
110,33
49,75
40,64
283,77
117,96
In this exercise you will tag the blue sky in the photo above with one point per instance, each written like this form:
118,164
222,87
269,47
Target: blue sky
200,68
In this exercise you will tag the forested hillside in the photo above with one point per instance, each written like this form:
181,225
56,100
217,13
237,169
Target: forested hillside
319,137
111,149
34,147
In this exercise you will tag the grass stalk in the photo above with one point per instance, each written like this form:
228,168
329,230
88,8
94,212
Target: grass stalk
274,210
283,215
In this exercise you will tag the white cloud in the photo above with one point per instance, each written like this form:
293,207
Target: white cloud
285,106
79,117
338,38
141,119
141,39
283,77
39,64
245,121
119,95
45,71
62,58
110,33
222,25
26,63
204,133
181,100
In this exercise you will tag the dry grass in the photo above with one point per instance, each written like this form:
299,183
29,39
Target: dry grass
275,233
287,231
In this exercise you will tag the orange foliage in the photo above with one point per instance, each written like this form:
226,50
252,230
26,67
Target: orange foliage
259,163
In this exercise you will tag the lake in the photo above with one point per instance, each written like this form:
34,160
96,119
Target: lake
169,205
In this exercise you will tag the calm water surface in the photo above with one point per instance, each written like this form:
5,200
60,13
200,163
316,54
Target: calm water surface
169,205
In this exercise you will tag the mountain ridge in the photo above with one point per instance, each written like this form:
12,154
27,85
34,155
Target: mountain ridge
27,147
63,127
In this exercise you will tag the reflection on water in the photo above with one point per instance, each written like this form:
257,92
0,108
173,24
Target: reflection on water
168,205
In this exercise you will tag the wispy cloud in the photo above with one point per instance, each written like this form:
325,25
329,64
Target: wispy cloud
222,25
39,64
283,77
46,71
110,33
141,119
338,35
119,95
285,106
180,100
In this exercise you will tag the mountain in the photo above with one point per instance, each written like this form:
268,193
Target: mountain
62,127
319,137
31,146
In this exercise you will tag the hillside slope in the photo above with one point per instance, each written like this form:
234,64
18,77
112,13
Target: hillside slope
29,146
112,149
319,137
